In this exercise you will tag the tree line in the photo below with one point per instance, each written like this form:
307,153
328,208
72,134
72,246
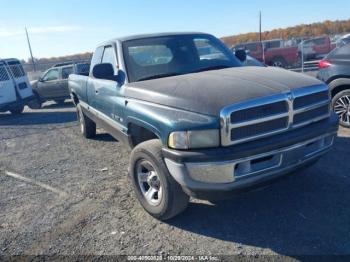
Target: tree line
330,28
304,30
42,64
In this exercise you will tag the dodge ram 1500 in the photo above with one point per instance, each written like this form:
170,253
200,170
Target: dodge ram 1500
200,125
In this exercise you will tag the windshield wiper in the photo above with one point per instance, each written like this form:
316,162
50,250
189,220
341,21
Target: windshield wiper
212,68
158,76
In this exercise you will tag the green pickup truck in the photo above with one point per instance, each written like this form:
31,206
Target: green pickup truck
200,124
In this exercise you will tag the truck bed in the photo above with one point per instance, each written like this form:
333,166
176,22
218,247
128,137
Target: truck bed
77,84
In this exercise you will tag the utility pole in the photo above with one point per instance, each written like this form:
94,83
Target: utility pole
30,49
260,36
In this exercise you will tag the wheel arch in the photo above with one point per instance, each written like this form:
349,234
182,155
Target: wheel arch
339,85
75,98
139,132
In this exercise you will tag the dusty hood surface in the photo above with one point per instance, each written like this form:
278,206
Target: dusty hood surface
208,92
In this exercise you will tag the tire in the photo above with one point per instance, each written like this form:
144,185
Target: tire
36,103
341,106
87,126
17,110
59,101
279,62
169,199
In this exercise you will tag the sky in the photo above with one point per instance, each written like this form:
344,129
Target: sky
75,26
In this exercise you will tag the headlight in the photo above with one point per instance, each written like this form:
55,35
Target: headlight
194,139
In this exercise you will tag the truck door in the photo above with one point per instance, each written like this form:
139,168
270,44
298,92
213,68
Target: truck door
7,87
66,71
107,95
49,84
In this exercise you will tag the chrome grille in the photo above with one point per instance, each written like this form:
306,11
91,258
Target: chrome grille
259,111
310,114
274,114
304,101
260,128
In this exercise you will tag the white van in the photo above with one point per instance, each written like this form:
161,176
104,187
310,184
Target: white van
15,89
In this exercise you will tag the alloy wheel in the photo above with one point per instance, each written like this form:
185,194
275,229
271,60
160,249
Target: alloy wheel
149,182
342,109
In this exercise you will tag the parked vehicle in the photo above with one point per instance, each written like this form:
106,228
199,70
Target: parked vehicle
317,47
272,53
53,84
282,53
15,89
200,127
345,39
334,70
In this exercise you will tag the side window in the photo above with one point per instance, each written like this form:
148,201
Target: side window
272,44
208,50
252,47
51,75
320,41
110,57
66,71
97,57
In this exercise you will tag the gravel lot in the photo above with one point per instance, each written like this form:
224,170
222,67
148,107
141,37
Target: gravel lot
63,194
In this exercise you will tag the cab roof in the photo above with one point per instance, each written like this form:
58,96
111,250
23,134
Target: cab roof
141,36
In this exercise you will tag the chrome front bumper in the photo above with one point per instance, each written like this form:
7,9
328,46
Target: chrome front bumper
227,175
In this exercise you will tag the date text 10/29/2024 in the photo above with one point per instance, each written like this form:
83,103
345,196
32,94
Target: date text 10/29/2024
173,258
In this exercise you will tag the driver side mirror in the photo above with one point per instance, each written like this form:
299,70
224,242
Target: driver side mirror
104,71
241,55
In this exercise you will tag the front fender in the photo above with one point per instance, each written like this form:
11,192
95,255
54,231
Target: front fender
162,120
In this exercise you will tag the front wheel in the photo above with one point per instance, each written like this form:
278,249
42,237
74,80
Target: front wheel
17,110
341,106
159,194
35,103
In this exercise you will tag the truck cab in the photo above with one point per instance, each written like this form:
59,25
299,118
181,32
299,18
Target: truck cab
15,89
198,123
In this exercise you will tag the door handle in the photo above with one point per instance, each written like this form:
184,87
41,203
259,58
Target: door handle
96,91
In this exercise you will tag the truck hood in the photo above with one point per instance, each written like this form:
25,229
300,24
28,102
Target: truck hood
208,92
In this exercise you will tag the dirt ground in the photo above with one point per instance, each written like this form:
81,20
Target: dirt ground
63,194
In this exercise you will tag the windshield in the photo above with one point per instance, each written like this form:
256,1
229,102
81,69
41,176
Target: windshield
157,57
